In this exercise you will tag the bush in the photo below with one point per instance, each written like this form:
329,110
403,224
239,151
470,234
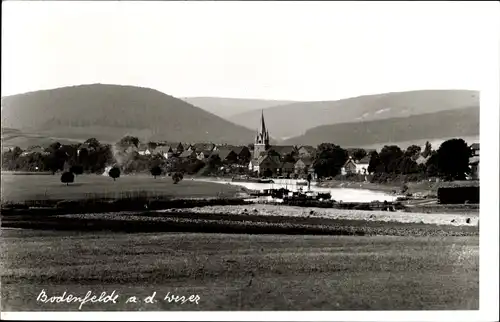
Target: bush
114,173
155,171
177,177
67,178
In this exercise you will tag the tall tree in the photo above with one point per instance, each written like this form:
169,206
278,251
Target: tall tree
329,160
374,164
413,151
129,141
427,150
55,161
453,159
83,157
390,156
92,143
407,165
432,165
359,154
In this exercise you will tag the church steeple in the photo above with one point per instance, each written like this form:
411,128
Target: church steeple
262,139
262,124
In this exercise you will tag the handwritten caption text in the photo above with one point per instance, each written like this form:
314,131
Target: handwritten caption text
114,298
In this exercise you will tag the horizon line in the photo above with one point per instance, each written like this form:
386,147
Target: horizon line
291,101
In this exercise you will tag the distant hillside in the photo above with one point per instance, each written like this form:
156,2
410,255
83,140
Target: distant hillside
227,107
13,137
294,119
435,142
444,124
109,112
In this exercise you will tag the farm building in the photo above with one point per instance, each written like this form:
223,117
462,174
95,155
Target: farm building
475,149
226,155
356,167
302,166
265,163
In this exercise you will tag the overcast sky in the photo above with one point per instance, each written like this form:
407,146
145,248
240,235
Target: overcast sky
275,50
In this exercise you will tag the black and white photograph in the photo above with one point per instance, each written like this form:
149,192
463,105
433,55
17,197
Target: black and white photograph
249,160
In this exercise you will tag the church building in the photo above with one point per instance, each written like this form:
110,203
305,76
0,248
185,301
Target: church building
261,143
262,162
271,161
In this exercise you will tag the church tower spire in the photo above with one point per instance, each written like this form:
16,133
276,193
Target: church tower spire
262,139
262,124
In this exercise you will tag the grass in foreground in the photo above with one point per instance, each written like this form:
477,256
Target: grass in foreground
242,272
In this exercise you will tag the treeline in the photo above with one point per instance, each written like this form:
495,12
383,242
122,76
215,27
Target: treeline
449,162
57,157
94,157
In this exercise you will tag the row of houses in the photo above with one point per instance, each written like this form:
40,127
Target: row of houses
200,151
225,152
273,165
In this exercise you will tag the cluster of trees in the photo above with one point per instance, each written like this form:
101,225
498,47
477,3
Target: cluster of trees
93,157
449,162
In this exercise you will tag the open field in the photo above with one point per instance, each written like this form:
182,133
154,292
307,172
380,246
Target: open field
19,188
241,272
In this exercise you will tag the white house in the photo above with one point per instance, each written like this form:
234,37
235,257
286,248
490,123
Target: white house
203,155
352,166
143,149
164,151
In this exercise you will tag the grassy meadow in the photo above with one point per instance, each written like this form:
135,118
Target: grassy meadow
240,272
19,188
